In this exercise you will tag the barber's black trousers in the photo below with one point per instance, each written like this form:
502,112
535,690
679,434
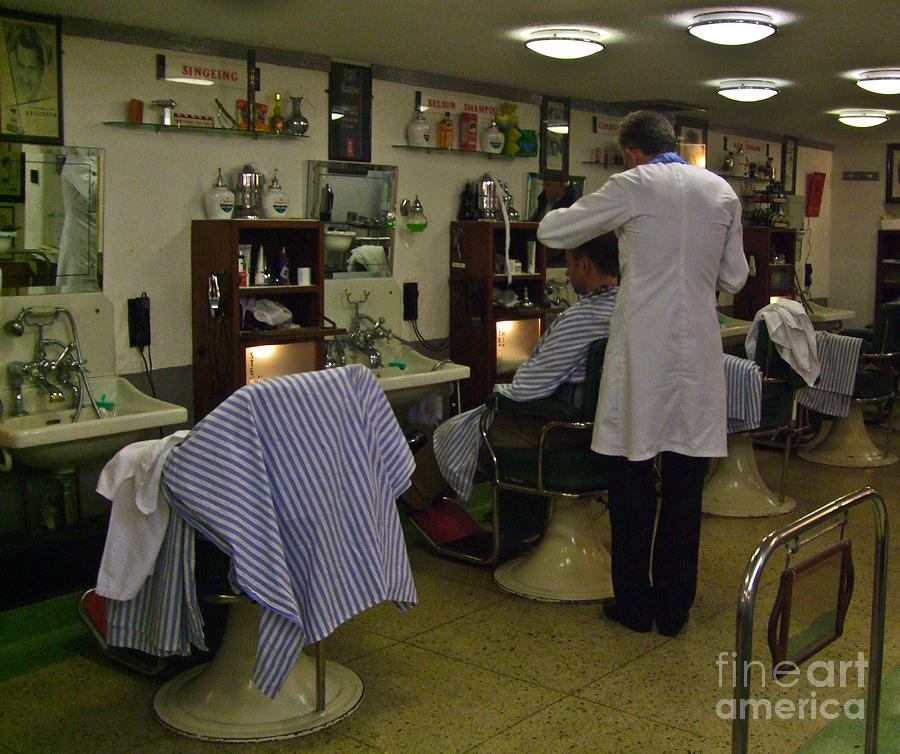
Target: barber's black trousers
668,596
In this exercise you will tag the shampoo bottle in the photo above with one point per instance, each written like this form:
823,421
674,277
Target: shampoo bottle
284,268
446,132
259,276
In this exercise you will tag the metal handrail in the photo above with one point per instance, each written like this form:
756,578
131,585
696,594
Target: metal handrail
744,622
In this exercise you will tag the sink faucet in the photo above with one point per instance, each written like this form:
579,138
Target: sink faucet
67,368
16,372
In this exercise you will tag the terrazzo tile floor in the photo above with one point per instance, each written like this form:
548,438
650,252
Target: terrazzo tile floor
474,669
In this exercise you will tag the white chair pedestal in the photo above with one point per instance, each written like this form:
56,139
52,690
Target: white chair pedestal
568,564
736,489
219,702
848,444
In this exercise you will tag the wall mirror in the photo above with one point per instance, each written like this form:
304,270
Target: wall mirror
51,234
554,158
357,201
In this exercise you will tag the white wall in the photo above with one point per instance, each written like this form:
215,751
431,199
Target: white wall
855,219
155,182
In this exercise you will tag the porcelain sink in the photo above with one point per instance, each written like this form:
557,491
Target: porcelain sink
47,439
729,327
406,375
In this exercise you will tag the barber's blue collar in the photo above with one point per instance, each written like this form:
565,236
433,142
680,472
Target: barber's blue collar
667,157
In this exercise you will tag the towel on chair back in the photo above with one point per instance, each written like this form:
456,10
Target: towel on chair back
296,479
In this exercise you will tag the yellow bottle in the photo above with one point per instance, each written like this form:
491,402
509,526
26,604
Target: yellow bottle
446,132
276,122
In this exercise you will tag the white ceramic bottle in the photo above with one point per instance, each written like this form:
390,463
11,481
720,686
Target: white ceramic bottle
219,200
418,132
275,202
492,139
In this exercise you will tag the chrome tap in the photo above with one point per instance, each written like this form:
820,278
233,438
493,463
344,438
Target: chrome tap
16,372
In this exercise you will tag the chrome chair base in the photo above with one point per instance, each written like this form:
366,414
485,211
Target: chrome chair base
570,562
218,701
735,488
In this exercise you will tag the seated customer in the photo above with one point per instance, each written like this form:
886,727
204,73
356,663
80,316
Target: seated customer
556,367
555,193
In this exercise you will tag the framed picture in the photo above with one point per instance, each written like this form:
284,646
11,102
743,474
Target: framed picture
30,78
554,160
690,140
892,185
12,177
350,113
789,148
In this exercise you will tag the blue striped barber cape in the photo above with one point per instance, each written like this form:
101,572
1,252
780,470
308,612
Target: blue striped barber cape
558,359
296,478
743,386
833,392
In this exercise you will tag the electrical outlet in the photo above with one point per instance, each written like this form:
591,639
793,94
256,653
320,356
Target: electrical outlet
410,302
139,321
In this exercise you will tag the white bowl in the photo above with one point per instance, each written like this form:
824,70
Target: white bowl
338,241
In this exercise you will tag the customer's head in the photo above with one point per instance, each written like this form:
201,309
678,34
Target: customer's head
594,263
649,132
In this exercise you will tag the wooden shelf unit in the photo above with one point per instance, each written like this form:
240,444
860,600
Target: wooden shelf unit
219,338
773,251
473,313
887,268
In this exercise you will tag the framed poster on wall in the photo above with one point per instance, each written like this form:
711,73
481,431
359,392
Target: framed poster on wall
30,78
892,185
350,112
789,148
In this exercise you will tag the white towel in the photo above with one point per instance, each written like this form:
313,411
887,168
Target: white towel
370,257
791,330
138,519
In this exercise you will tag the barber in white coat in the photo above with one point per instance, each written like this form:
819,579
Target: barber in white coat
663,387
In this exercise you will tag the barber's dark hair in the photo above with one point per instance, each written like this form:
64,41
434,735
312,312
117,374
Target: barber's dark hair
648,131
603,251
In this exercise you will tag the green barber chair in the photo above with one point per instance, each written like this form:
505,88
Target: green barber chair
570,562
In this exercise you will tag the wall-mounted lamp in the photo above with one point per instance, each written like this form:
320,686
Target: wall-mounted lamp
748,90
184,69
564,43
414,213
883,81
862,118
732,27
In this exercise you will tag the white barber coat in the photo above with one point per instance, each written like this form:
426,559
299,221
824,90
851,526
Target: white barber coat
680,239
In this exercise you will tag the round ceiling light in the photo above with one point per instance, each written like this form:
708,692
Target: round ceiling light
748,90
732,27
884,81
862,118
565,44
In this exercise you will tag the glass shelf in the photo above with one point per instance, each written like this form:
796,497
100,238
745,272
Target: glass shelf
461,151
204,130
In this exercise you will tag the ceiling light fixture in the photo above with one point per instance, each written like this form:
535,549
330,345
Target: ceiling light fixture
564,43
882,81
748,90
732,27
862,118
